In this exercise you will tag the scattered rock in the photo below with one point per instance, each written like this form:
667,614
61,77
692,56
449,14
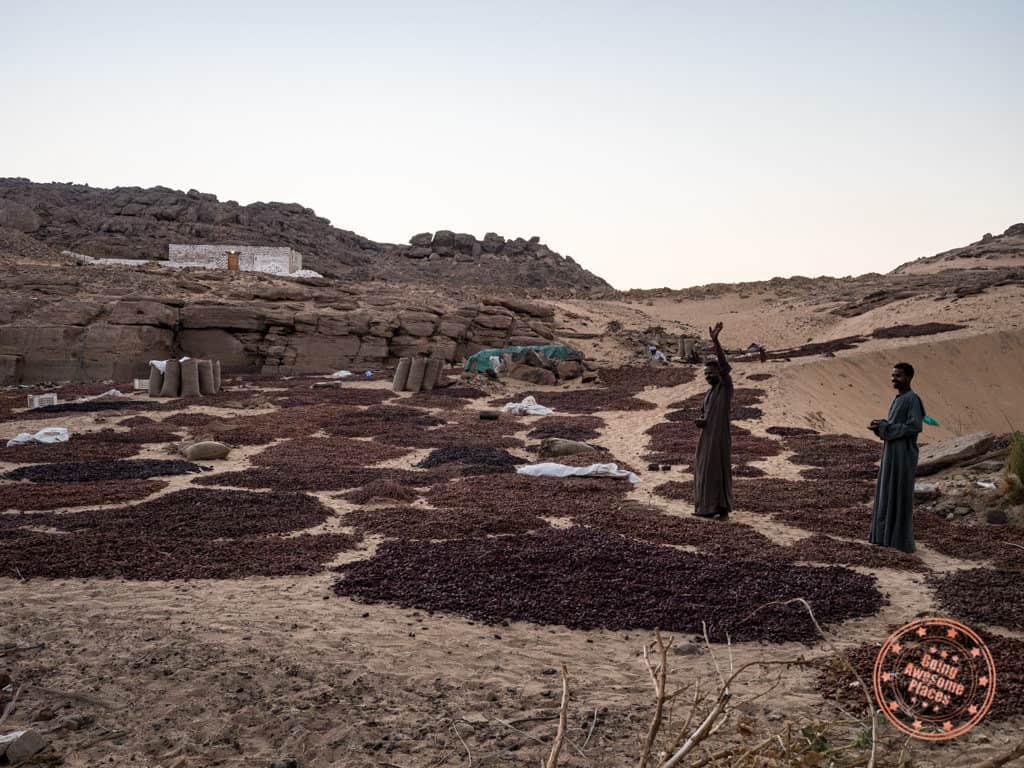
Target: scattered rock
947,453
926,491
996,516
528,373
989,465
17,747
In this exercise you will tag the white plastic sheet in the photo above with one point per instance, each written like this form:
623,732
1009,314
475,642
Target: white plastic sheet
46,436
160,365
551,469
108,393
528,407
340,375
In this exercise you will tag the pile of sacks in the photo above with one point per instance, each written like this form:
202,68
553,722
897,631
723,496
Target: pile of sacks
417,373
188,377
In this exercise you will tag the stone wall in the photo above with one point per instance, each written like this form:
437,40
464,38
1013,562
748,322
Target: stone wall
252,258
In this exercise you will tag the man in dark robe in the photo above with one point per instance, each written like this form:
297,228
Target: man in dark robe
712,470
892,523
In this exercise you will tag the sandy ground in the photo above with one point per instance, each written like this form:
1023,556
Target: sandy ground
244,672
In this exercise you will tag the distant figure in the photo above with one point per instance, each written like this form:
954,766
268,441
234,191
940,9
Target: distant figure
712,471
892,523
659,357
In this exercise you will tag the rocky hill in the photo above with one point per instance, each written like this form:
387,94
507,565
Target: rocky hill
135,223
992,251
64,321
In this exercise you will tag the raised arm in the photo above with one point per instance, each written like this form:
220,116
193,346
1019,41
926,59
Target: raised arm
723,362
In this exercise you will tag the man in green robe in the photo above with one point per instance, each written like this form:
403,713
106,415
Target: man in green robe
712,469
892,523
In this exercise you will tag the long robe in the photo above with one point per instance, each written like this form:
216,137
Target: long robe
892,522
712,469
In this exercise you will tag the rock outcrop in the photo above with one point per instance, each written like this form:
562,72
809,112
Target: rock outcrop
136,223
68,322
1003,249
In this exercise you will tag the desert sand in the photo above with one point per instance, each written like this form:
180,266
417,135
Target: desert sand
244,672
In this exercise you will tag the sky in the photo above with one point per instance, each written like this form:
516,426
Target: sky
657,143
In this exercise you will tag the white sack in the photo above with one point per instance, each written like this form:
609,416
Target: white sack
551,469
528,407
47,436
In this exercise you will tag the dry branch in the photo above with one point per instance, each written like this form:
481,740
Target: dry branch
562,718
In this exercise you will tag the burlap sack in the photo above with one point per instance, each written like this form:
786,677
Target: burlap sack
207,384
432,373
401,375
417,370
172,380
156,381
190,378
216,375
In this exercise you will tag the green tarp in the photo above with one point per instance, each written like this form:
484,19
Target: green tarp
481,361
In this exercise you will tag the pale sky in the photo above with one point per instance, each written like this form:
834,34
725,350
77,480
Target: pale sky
657,143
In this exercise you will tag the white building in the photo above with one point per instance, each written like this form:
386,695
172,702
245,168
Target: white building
251,258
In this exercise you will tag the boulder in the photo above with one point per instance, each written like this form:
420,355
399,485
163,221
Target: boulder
465,242
443,238
529,373
925,491
142,313
557,446
205,450
408,346
492,242
996,516
422,240
445,348
568,369
18,747
453,326
947,453
417,323
494,321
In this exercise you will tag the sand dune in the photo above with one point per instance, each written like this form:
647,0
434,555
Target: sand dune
967,384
